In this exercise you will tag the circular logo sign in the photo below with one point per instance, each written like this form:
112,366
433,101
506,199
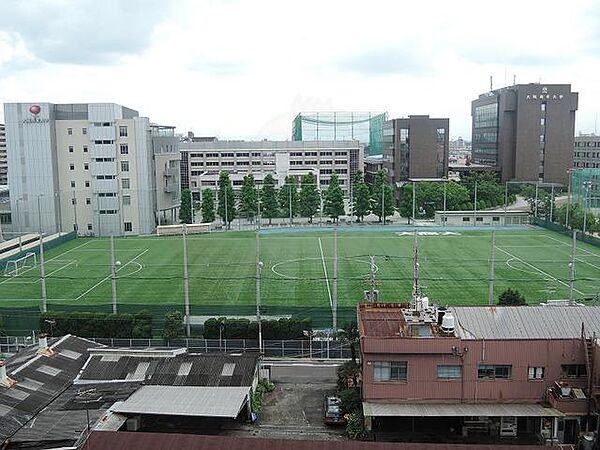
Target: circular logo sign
35,109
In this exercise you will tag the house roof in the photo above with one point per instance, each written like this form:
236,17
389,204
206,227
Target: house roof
119,440
211,369
458,410
526,322
40,378
199,401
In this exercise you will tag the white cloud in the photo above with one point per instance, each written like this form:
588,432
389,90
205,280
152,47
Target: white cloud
243,69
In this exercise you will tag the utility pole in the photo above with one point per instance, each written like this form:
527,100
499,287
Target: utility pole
492,274
475,206
444,214
335,281
42,265
572,267
186,283
258,206
259,266
113,274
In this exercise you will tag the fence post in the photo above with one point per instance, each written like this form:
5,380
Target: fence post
282,348
225,342
244,345
302,348
205,346
112,342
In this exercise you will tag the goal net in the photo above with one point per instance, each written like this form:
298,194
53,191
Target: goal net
192,228
16,266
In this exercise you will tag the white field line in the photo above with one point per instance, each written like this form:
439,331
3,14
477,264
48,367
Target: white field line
538,269
108,276
325,271
580,249
52,259
61,268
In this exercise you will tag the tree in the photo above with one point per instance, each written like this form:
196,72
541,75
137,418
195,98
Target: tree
248,197
349,335
288,192
185,210
226,207
269,198
382,192
362,197
309,198
430,198
173,327
511,297
542,200
333,206
208,205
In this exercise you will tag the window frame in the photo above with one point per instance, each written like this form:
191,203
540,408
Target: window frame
533,373
489,368
448,377
395,369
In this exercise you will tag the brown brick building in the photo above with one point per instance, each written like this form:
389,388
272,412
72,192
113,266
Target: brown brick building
526,131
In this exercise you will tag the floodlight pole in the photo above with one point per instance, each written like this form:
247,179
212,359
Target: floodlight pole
551,203
568,201
505,201
492,274
335,276
372,267
258,299
290,195
475,206
383,202
42,265
414,202
586,193
57,195
186,283
444,213
113,274
572,272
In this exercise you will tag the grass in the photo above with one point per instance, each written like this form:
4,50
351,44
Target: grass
454,269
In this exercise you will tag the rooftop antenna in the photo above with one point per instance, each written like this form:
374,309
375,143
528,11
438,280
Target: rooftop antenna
416,294
514,79
491,83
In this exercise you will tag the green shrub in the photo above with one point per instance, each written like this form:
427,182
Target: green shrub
355,426
292,328
263,387
104,325
173,327
351,402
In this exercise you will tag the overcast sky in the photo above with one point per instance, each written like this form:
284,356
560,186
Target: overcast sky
243,69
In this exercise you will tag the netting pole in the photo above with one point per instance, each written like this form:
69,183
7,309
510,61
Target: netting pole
505,201
568,201
492,274
259,265
186,285
113,274
552,203
335,280
475,205
42,265
414,202
572,266
444,215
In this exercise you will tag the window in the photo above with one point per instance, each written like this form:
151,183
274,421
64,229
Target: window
495,219
85,149
122,131
128,226
87,184
124,149
125,183
70,131
126,200
573,370
88,201
89,227
72,184
389,370
124,166
536,373
543,107
449,372
479,219
487,371
71,166
70,149
84,130
73,201
466,219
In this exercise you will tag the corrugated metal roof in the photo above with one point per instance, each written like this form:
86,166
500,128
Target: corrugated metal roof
113,440
526,322
458,410
185,401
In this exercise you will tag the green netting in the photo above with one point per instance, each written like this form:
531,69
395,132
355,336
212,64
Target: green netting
585,187
567,231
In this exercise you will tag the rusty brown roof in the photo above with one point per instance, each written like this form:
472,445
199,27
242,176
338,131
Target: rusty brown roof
381,320
121,440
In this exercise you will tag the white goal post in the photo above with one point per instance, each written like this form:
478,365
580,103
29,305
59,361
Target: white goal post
14,267
192,228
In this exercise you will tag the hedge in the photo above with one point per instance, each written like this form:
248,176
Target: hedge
105,325
292,328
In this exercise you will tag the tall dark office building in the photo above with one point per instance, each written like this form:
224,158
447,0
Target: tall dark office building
415,147
526,131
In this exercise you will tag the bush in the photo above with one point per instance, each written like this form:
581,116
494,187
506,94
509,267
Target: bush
355,426
103,325
292,328
511,297
347,372
2,329
262,388
351,402
173,328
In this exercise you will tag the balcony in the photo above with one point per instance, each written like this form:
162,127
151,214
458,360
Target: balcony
103,168
568,399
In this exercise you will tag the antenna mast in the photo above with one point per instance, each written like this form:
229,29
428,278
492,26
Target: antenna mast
416,294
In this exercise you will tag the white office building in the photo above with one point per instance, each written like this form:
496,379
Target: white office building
84,167
202,162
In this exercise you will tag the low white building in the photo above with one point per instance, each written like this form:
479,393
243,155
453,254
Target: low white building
472,218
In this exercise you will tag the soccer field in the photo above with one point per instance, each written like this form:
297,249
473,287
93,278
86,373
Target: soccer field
298,270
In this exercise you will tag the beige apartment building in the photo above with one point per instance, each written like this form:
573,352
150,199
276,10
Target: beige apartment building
84,167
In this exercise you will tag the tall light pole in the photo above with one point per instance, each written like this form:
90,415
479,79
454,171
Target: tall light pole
42,265
383,202
537,187
492,272
570,173
290,200
414,202
572,271
186,283
586,194
552,202
74,201
259,266
113,274
505,201
475,206
335,281
57,196
444,213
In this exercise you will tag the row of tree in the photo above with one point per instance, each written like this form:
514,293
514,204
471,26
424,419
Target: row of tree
290,200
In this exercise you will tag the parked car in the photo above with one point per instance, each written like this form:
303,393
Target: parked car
332,410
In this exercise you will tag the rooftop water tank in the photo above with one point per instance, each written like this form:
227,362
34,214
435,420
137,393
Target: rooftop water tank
448,323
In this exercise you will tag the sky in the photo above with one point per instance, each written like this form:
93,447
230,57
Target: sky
243,69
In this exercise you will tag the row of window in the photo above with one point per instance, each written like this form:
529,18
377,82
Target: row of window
398,371
586,165
122,129
259,154
587,154
127,226
126,199
588,144
124,148
86,166
125,182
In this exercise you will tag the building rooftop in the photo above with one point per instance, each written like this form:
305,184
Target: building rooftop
37,379
111,440
267,145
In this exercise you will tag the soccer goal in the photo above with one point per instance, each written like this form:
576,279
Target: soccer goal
14,267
